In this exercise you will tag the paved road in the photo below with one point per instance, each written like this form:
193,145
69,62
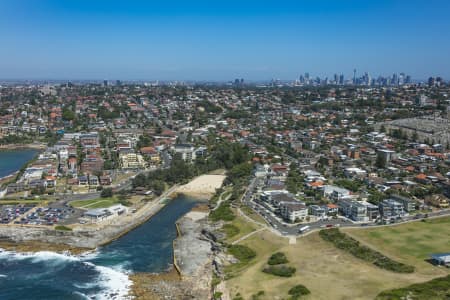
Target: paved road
288,229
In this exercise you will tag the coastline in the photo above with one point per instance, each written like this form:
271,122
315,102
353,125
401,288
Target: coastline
94,235
37,246
35,146
81,237
14,175
191,272
8,177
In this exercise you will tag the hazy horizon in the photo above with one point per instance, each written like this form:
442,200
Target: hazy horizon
220,41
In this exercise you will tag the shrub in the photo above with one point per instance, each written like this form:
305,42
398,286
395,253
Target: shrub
344,242
258,295
298,291
106,193
63,228
280,270
277,259
230,230
241,252
223,212
438,288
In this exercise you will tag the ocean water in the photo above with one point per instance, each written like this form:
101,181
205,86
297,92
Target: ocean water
102,274
12,161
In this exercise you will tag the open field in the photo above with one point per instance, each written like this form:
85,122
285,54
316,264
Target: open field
252,215
326,271
95,203
244,228
410,243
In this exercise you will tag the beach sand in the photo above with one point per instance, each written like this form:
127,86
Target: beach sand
204,185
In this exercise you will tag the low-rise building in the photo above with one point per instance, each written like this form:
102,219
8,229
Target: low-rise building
317,211
389,208
187,151
293,211
353,210
131,161
408,204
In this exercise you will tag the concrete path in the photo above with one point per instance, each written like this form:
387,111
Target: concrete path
221,200
247,236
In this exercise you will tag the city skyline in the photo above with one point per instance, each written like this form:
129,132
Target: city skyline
221,41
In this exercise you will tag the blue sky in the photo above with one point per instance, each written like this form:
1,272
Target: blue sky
222,40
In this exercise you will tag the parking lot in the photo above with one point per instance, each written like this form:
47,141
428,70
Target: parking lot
10,212
55,213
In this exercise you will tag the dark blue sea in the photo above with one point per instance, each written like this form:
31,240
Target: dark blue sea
102,274
12,161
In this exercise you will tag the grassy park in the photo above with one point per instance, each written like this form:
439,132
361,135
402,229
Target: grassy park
410,243
320,264
95,203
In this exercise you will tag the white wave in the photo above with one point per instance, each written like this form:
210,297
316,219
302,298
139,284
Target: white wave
116,284
84,296
36,257
3,275
86,285
90,255
122,268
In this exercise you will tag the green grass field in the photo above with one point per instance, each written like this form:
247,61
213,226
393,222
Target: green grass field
410,243
95,203
320,264
243,226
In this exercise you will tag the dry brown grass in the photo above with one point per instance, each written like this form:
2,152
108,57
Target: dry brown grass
326,271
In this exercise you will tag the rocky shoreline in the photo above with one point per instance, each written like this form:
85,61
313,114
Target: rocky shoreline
193,250
191,276
81,237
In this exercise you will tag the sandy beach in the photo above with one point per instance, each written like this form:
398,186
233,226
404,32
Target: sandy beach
202,186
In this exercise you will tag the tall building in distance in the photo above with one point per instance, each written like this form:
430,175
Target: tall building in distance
396,79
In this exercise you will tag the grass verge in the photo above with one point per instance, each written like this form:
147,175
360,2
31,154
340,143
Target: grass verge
349,244
438,288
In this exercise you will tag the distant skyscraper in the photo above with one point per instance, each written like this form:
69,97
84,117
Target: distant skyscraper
105,82
401,79
354,76
302,79
394,79
408,79
341,79
118,83
336,79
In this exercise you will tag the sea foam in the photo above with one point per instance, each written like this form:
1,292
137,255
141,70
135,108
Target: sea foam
114,284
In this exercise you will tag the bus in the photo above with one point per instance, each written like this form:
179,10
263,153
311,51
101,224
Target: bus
303,229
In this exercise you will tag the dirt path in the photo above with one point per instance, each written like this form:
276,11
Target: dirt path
247,236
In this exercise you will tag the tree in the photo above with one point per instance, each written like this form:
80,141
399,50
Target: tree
68,115
380,162
106,193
